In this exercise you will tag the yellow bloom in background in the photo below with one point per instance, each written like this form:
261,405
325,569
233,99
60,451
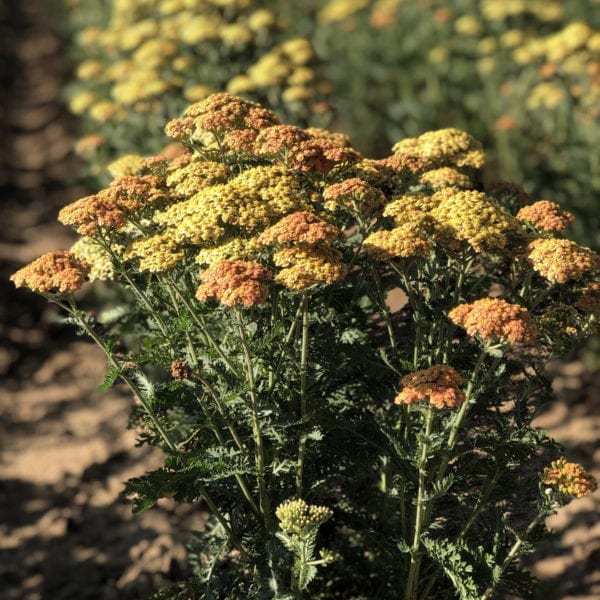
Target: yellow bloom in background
569,478
100,262
130,164
561,260
336,11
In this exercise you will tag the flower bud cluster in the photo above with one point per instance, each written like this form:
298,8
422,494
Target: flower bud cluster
297,518
440,385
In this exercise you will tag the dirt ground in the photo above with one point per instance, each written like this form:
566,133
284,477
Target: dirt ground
65,447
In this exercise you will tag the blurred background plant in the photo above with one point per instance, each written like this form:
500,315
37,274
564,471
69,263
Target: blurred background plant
139,62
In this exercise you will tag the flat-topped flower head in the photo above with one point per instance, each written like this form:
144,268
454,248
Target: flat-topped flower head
446,177
405,241
559,260
569,478
474,218
440,385
494,319
235,283
304,266
155,253
57,272
300,519
93,214
353,193
546,216
301,227
88,250
445,147
132,193
195,175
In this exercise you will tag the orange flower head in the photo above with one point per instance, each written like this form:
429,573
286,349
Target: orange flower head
439,384
571,479
496,320
234,283
57,272
561,260
546,215
299,228
354,193
89,215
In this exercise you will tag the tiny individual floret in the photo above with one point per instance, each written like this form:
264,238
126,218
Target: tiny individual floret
300,227
235,282
560,260
569,478
546,215
405,241
297,518
495,320
58,272
439,384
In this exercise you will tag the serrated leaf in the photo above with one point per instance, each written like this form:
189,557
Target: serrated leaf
109,379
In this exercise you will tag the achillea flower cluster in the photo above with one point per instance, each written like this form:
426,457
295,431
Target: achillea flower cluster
297,518
405,241
353,193
93,214
132,194
546,215
196,175
100,262
126,166
560,260
440,385
571,479
446,177
180,370
234,283
56,272
304,266
156,253
495,320
408,204
234,249
474,218
445,147
299,228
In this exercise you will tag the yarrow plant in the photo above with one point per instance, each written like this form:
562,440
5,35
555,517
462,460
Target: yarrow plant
343,445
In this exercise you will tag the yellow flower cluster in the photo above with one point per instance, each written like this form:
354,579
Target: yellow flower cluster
297,518
446,177
56,272
571,479
444,147
148,49
473,217
495,320
88,250
156,253
408,240
355,194
502,10
560,260
439,384
340,11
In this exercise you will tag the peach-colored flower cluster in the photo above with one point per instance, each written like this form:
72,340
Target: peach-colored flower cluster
235,282
546,215
300,227
133,193
353,193
439,384
561,260
92,214
405,241
571,479
302,150
495,320
56,272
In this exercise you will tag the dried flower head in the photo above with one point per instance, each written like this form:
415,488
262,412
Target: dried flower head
571,479
495,320
235,282
439,384
134,193
301,227
297,518
56,272
180,370
561,260
546,215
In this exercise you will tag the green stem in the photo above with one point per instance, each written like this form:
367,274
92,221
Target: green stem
258,439
303,388
513,553
412,583
385,312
